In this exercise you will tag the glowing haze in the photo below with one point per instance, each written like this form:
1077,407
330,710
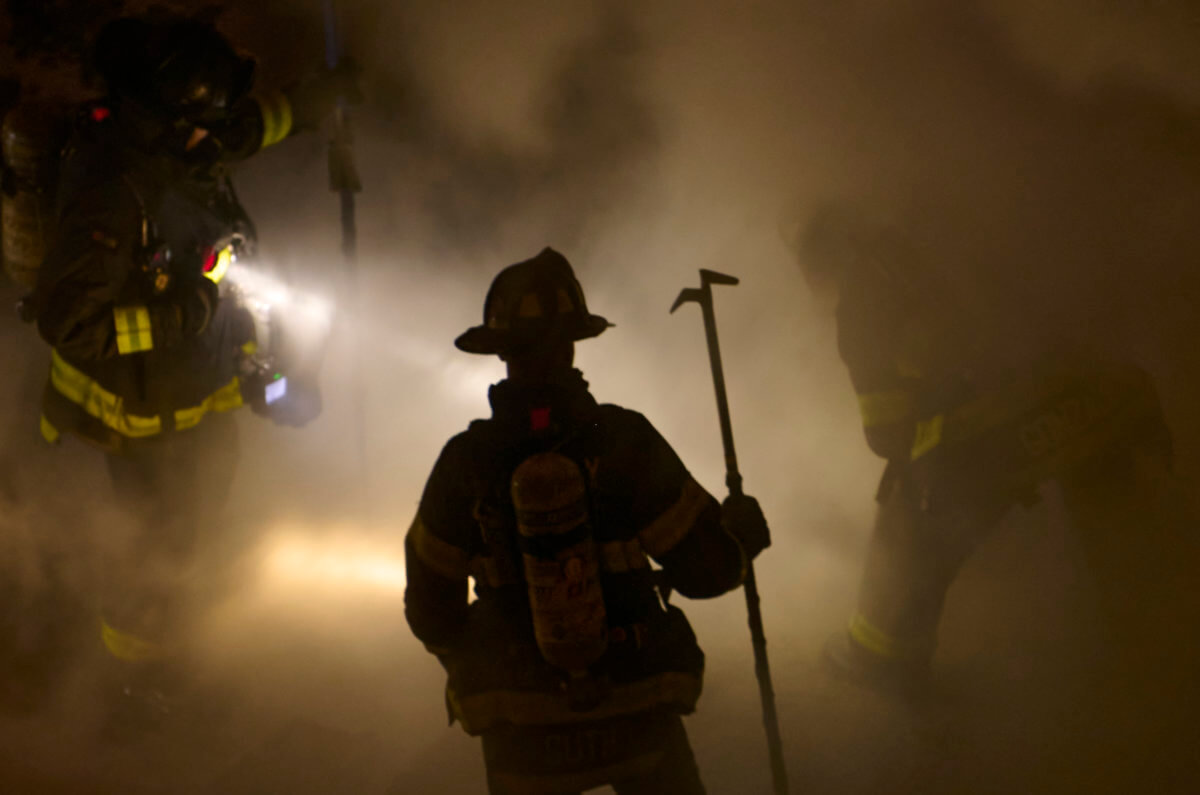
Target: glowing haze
1044,159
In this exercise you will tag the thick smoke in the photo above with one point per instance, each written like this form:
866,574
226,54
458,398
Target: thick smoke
1044,160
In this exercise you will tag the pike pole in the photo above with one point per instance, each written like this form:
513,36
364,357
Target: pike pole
344,181
733,480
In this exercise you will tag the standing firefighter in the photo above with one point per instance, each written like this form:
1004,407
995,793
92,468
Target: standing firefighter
966,440
150,351
569,665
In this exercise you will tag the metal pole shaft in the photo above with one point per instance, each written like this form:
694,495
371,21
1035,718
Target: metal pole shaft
733,478
758,634
342,171
766,689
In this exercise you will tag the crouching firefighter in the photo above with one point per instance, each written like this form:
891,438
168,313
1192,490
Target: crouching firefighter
569,665
967,437
151,351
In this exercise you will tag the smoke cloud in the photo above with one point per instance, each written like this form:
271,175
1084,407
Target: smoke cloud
1043,160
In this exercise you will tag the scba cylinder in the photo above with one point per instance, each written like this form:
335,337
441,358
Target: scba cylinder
559,557
32,139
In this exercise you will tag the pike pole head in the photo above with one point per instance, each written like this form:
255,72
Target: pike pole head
703,294
708,277
687,295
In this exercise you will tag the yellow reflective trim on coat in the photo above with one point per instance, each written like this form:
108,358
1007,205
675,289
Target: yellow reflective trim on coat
673,525
440,556
221,267
928,436
129,648
249,348
49,432
133,329
276,113
86,392
482,711
227,398
885,408
880,643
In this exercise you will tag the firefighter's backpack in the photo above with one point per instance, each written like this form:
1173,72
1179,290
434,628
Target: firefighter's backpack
561,567
34,136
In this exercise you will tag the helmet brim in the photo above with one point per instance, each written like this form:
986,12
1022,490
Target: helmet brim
491,341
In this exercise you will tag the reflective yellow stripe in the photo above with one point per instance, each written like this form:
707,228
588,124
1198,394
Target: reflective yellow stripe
928,435
276,117
133,329
661,536
440,556
885,408
227,398
882,644
249,348
479,712
221,267
618,557
97,401
49,432
130,648
86,392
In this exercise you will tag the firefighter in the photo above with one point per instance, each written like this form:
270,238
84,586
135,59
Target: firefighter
147,350
967,436
570,664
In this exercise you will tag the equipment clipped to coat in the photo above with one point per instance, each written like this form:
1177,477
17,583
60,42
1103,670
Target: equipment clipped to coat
279,371
733,479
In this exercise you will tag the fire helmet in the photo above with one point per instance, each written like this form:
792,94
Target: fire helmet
180,68
845,240
529,302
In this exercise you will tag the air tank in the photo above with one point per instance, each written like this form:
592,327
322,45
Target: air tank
560,561
32,139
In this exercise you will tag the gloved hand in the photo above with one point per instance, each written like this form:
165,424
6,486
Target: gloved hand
744,520
314,98
300,406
